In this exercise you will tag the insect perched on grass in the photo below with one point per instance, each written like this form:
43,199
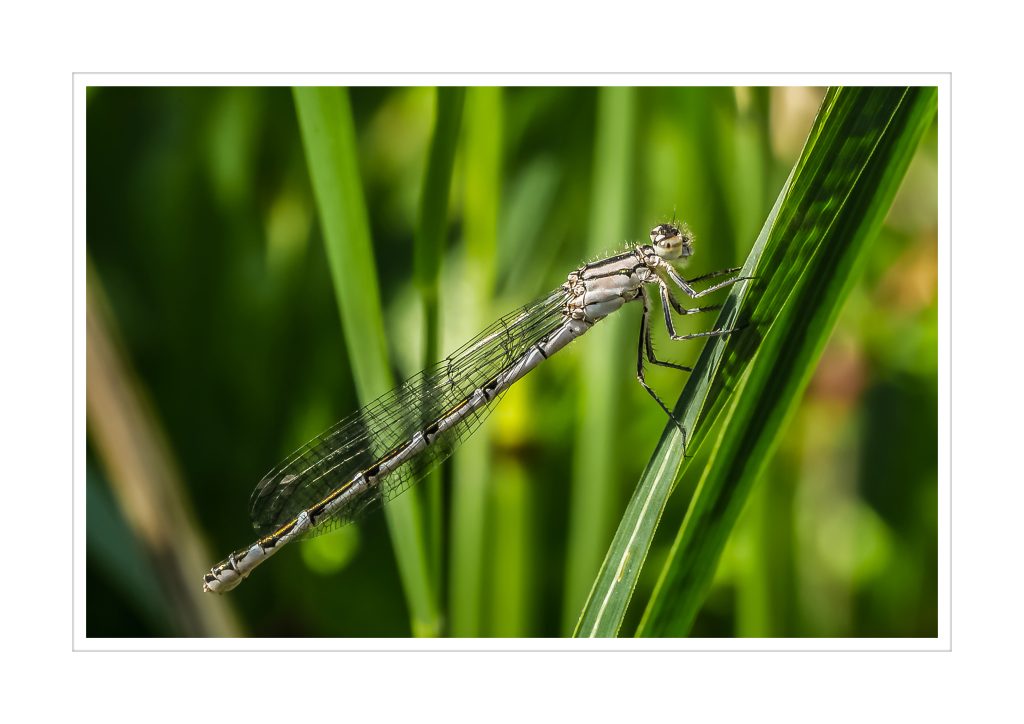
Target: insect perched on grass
379,451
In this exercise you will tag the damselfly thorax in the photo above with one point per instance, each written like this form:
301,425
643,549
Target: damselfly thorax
380,450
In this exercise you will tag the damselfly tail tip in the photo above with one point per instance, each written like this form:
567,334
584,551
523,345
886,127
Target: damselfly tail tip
213,585
220,579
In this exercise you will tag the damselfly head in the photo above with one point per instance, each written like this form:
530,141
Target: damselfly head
671,241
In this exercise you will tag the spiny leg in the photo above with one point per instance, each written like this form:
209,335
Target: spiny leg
671,324
653,359
645,336
693,293
668,300
714,275
644,344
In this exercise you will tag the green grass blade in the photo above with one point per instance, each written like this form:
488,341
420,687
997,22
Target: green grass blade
766,562
429,248
840,190
512,586
328,136
432,225
761,576
471,469
852,162
613,587
591,500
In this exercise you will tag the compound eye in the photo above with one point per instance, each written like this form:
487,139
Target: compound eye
662,234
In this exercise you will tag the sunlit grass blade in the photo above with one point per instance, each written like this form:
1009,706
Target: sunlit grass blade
328,136
841,189
429,248
803,260
613,587
590,515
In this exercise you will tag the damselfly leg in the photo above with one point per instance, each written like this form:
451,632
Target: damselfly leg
715,275
668,300
692,293
686,286
645,346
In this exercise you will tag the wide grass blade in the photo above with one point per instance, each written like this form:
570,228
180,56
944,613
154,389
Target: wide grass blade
844,183
613,587
328,136
805,261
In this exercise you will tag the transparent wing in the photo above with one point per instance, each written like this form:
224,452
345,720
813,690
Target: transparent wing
364,437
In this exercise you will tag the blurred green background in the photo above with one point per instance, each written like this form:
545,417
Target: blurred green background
215,349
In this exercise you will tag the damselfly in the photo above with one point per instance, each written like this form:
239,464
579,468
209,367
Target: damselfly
379,451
